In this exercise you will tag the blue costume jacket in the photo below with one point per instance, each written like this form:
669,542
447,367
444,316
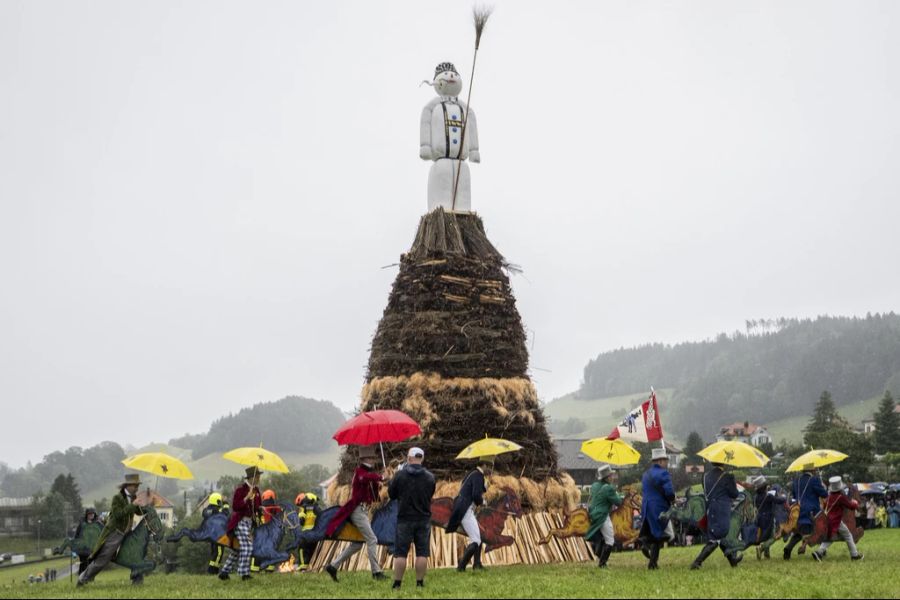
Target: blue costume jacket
658,493
720,490
807,491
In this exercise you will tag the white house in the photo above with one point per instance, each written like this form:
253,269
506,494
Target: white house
749,433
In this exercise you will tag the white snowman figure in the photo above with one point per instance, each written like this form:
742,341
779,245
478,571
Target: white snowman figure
441,140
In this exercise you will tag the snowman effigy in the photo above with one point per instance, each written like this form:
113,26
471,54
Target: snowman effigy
449,137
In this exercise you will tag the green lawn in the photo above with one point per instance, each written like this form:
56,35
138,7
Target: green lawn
874,577
791,429
598,412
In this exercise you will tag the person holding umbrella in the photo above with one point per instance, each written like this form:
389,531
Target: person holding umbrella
720,489
603,498
807,489
245,506
471,495
364,491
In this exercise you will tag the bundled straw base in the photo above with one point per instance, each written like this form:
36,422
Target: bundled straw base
446,548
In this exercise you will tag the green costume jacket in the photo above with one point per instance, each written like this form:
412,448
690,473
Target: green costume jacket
603,498
120,516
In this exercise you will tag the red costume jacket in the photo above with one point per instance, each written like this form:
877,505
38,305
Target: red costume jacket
241,507
834,508
364,490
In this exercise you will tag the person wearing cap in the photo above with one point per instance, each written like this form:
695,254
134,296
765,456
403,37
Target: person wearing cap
245,506
216,550
806,490
603,497
90,518
121,513
363,492
413,488
658,495
471,495
835,505
765,499
308,511
720,489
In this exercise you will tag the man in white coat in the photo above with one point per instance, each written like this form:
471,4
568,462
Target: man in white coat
448,135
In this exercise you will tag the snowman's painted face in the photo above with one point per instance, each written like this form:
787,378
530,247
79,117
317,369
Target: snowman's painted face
448,83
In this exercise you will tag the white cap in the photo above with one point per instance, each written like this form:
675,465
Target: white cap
835,483
658,454
416,452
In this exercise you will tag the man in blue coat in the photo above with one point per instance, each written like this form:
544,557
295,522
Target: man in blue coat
806,490
720,489
658,495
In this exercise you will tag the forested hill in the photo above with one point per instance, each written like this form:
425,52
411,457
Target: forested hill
777,369
293,423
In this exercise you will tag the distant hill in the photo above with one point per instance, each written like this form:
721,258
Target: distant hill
299,429
775,371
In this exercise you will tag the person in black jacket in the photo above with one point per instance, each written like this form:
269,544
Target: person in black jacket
413,488
471,494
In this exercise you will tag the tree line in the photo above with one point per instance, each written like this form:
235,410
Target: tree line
775,370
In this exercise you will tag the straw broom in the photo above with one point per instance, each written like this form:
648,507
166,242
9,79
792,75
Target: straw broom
480,17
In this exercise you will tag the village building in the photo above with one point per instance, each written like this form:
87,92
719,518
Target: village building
746,432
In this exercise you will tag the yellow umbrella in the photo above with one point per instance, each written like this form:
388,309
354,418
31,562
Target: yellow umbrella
262,459
614,452
735,454
159,464
488,447
815,459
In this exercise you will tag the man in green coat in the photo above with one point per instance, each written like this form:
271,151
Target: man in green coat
118,523
603,498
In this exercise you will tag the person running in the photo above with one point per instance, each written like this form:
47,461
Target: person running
246,504
364,491
118,523
603,497
835,505
308,511
806,489
766,499
658,495
90,518
413,488
720,489
216,550
471,495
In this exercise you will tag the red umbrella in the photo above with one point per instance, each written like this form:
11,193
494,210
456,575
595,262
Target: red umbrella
377,426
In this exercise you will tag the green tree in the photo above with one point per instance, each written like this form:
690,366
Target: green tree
693,445
825,417
51,511
65,486
857,447
887,426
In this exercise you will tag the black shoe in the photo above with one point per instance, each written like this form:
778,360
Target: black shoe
476,564
211,570
333,572
604,556
246,577
735,559
139,580
466,557
396,585
378,576
223,576
420,583
817,556
857,557
787,555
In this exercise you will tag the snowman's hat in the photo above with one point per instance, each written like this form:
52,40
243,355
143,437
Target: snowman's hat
444,66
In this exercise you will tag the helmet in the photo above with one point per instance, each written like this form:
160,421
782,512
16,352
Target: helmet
312,498
268,495
299,499
215,499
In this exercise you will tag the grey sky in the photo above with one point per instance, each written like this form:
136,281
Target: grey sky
196,199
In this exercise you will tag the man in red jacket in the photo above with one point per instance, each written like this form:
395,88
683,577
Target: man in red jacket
835,504
364,491
244,508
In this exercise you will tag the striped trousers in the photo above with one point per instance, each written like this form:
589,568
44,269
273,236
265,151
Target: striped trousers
245,550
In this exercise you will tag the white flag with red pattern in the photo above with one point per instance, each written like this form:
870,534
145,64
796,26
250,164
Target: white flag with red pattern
642,424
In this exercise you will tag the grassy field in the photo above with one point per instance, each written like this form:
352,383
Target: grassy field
802,577
211,467
791,429
598,412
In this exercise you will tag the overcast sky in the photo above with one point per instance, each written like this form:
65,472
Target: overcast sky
197,198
